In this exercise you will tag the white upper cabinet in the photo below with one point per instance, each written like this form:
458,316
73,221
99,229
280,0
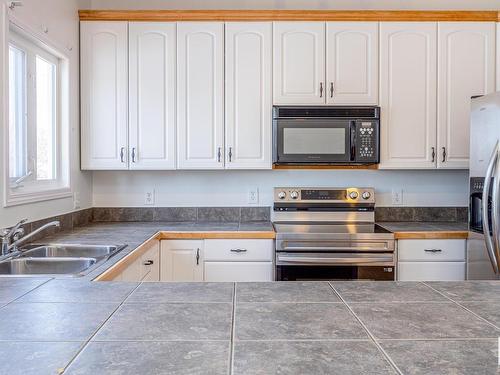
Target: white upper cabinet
408,94
466,67
299,63
104,88
352,63
200,95
152,66
248,95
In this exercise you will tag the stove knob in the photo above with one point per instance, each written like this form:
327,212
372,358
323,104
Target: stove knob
294,195
366,195
281,195
353,195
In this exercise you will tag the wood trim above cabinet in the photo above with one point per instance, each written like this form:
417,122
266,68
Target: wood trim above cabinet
290,15
436,235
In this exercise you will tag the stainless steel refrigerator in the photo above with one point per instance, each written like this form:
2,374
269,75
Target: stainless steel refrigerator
483,245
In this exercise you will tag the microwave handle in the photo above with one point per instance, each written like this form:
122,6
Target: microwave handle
352,135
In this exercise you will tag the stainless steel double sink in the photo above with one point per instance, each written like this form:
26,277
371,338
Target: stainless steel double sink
57,259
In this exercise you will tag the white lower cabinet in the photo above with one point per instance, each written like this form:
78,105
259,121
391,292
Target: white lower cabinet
238,271
144,268
181,260
431,260
238,260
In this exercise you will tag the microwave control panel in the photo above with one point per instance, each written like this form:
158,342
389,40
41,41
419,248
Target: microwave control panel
367,147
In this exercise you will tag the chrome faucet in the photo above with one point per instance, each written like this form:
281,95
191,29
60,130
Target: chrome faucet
12,237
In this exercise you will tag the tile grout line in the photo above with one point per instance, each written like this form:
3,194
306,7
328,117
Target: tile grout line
86,342
372,337
233,325
24,294
461,306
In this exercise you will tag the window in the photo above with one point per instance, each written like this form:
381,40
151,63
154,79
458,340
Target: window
38,166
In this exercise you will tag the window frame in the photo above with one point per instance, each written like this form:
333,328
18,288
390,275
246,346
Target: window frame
30,189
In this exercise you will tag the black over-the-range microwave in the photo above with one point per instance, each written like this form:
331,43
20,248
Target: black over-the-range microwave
326,135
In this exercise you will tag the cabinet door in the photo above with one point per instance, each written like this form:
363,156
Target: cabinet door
408,94
466,67
238,271
181,260
150,262
248,95
152,61
352,62
299,63
133,272
431,271
104,88
200,100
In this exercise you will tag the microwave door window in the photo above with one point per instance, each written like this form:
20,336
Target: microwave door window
321,144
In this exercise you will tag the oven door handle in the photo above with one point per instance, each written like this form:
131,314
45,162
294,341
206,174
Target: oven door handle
333,260
334,248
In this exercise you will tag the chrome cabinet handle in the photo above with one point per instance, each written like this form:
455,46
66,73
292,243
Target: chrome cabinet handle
197,256
238,250
148,263
219,153
133,154
444,154
331,90
122,154
484,208
321,89
230,154
433,250
433,154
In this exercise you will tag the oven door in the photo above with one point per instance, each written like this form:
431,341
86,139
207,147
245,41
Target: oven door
334,266
314,141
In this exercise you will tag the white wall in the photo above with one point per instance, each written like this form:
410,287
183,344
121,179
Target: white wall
230,188
296,4
61,19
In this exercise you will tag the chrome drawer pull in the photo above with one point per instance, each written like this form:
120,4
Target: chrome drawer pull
238,250
433,250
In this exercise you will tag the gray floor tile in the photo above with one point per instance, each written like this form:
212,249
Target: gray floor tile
469,291
52,321
487,310
474,357
386,291
80,291
173,358
12,288
311,357
178,321
36,358
295,321
422,321
182,292
293,291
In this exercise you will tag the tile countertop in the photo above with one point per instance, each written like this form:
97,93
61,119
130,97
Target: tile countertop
427,230
81,327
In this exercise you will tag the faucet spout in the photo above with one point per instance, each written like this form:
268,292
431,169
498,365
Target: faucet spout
13,245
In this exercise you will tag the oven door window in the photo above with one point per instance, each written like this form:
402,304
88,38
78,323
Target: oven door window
313,141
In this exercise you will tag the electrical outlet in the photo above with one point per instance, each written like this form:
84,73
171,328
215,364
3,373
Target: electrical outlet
397,197
76,200
253,196
149,197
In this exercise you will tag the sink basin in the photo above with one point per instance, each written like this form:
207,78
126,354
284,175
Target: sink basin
70,250
45,266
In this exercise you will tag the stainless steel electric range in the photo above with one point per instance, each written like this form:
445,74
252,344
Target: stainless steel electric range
330,234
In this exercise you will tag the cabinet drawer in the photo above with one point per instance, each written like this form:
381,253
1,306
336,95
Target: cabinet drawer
238,271
431,250
239,250
431,271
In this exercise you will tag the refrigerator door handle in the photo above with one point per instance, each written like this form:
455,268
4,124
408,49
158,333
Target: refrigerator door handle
491,245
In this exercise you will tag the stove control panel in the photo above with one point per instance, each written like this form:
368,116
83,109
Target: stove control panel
324,195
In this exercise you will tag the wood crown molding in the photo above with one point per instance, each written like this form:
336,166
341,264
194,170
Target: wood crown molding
290,15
